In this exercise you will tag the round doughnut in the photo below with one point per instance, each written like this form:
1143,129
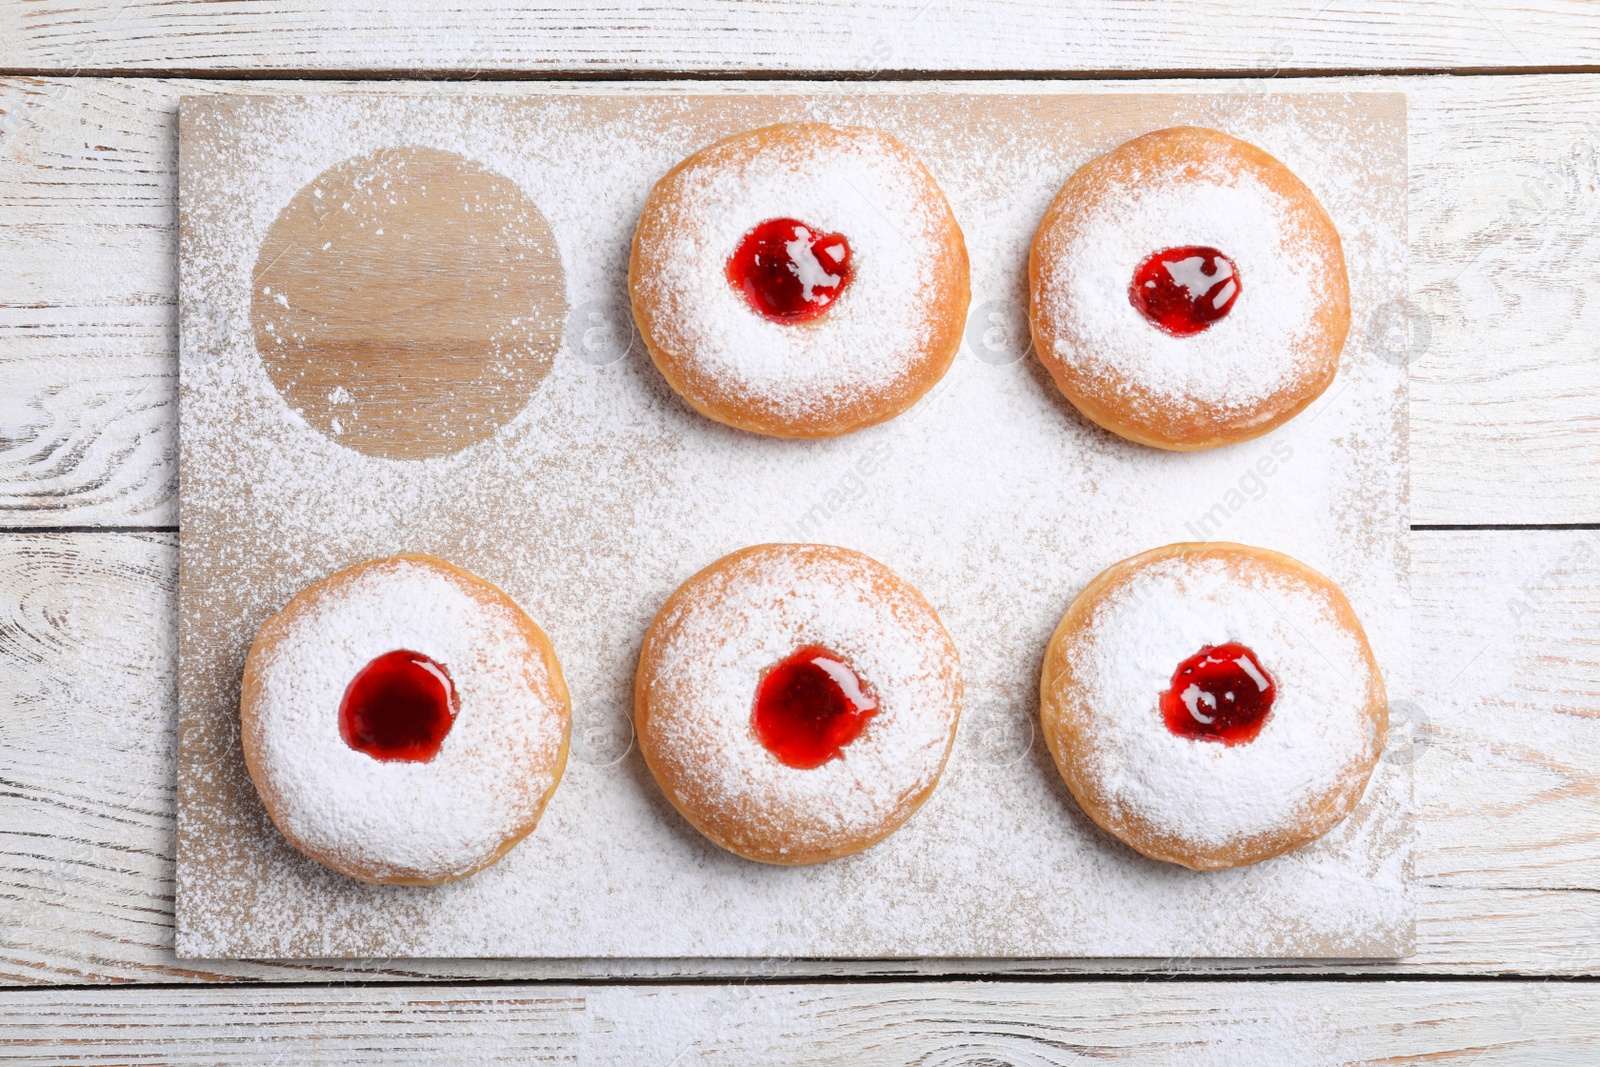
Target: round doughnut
1150,332
862,263
757,644
404,721
1213,705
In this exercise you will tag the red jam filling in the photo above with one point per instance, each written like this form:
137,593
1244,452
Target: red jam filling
1221,693
1183,290
789,271
809,707
399,707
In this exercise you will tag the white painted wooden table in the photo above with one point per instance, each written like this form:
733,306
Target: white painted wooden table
1504,352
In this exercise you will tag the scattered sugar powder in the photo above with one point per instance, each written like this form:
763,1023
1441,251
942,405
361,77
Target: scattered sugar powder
605,494
1317,735
448,815
736,623
1258,350
855,182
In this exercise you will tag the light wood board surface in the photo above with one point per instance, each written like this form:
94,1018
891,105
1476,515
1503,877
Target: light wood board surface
1505,217
624,473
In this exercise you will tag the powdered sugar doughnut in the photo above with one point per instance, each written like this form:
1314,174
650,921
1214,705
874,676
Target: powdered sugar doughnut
800,280
796,703
1188,291
1213,705
404,721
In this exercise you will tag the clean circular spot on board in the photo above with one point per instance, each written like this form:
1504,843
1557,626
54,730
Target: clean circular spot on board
408,303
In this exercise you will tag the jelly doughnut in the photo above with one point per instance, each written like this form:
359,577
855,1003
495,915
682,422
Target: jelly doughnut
796,703
1213,705
404,721
800,280
1188,291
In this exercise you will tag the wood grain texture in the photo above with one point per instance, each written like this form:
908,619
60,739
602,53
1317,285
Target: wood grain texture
1504,761
483,37
435,279
87,441
1239,1023
1500,329
1507,709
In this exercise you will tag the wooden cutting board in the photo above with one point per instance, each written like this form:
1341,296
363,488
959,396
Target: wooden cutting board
404,328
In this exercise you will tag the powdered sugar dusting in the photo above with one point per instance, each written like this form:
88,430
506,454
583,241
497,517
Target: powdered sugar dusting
733,625
605,493
1265,346
857,182
1316,737
452,813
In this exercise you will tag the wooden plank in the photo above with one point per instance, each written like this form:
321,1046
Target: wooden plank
482,37
1505,767
1505,388
1508,707
1304,1023
88,316
87,443
1498,330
